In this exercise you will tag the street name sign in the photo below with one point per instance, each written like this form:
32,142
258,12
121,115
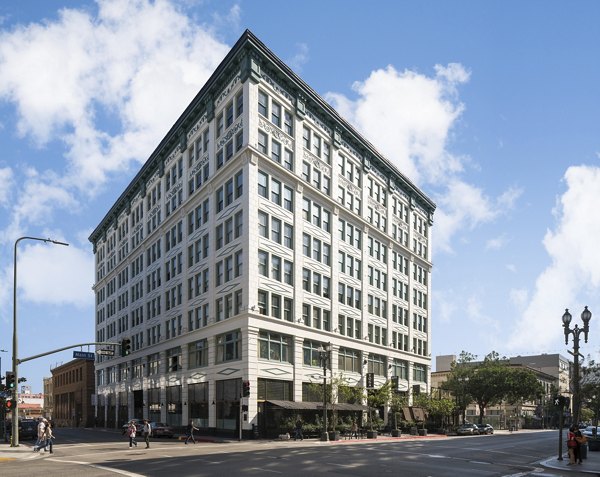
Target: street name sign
83,355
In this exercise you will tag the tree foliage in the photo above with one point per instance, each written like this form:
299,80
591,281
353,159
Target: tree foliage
490,382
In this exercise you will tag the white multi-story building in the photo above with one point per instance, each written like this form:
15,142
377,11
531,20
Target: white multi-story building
262,228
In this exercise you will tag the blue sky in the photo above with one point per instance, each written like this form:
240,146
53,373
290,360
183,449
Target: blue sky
492,108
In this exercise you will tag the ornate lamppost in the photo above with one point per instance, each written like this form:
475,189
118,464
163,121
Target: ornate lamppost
324,357
586,315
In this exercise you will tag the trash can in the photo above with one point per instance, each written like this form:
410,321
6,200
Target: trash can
583,450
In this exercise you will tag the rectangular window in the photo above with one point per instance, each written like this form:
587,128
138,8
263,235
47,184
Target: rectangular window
263,104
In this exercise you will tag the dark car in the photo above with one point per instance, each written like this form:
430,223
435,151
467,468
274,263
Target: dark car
160,429
27,428
485,429
467,430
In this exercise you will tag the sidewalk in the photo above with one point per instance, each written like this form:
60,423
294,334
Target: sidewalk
591,465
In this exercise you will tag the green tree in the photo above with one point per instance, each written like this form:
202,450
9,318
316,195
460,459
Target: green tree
590,389
457,382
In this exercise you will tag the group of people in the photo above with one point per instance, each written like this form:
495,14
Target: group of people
44,436
132,431
575,439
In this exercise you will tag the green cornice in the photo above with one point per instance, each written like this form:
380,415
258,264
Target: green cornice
251,57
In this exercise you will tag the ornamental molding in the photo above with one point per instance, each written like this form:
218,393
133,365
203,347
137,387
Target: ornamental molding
351,151
199,165
230,133
153,211
277,87
349,186
173,155
316,162
228,89
317,122
174,189
275,132
377,206
196,127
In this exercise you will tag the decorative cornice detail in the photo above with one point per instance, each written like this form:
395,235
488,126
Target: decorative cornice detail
318,122
277,87
275,132
228,89
348,185
173,155
230,133
315,161
196,127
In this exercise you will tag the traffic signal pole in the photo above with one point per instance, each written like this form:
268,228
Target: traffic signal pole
15,393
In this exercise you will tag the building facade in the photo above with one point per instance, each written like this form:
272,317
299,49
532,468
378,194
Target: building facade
261,229
73,385
552,372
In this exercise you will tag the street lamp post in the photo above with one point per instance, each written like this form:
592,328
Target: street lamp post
324,356
586,315
15,359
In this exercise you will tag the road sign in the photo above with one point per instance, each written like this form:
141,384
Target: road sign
83,355
105,352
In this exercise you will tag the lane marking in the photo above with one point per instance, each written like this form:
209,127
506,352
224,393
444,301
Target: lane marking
101,467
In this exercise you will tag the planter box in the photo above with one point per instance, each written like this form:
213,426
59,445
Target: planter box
422,432
371,434
413,431
396,432
334,435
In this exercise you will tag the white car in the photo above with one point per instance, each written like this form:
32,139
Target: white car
589,431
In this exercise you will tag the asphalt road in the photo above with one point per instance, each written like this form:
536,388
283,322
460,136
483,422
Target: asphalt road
98,453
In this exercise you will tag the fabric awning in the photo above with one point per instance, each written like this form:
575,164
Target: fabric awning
301,405
294,404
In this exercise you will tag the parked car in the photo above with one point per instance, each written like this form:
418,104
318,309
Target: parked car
160,429
589,431
467,430
28,429
485,429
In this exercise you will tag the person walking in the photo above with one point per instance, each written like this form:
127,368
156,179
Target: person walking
190,432
131,434
41,433
298,430
49,436
147,431
354,430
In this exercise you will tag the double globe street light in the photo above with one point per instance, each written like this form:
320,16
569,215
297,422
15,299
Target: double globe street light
586,315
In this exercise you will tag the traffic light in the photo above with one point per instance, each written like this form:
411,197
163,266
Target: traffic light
10,380
9,404
125,347
245,388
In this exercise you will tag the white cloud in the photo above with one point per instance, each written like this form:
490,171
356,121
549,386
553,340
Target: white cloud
300,58
139,62
410,118
511,267
574,271
6,185
55,274
519,297
496,243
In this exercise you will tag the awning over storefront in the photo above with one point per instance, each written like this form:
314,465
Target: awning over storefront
300,405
